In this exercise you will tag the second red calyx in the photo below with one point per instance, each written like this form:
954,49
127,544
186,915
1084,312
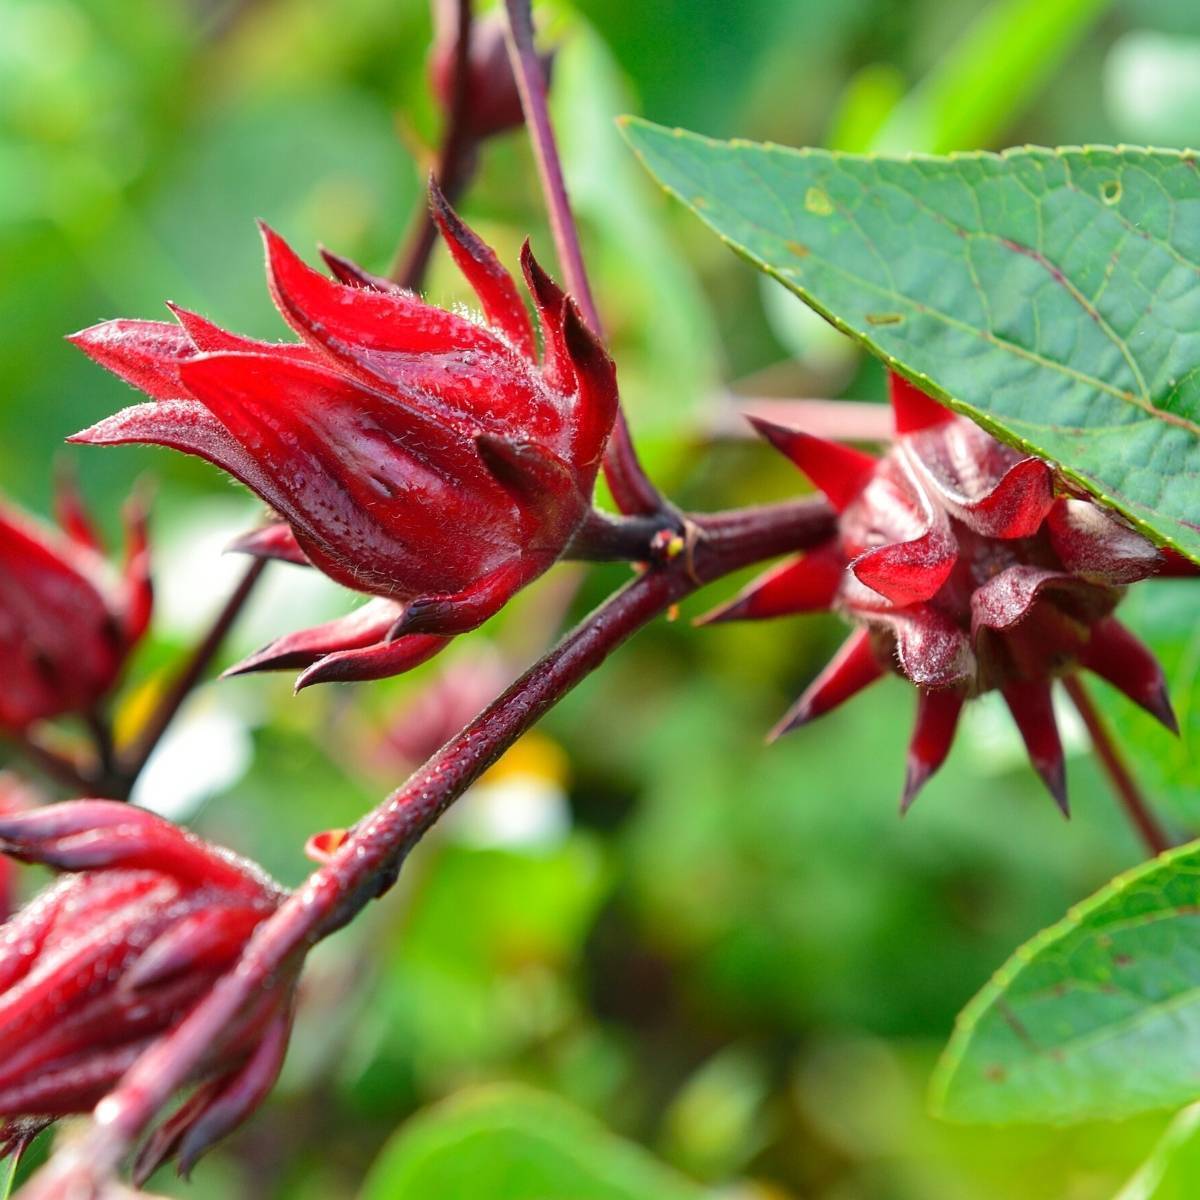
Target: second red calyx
967,568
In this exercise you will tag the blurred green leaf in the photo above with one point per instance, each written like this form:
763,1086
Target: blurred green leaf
1172,1172
1097,1017
8,1173
1049,295
511,1143
987,77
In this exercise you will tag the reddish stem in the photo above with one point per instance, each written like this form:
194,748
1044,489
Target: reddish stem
627,479
1132,801
456,161
367,863
193,671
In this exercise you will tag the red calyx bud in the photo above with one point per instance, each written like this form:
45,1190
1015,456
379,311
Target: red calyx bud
113,956
492,100
414,454
67,622
965,571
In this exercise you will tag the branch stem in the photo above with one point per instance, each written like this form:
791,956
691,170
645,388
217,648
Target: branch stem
455,165
193,671
1134,804
627,479
367,863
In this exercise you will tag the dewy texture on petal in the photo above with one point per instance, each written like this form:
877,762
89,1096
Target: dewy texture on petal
966,571
410,452
116,954
67,620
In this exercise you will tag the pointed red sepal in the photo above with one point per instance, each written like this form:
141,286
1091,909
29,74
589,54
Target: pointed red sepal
1117,656
201,941
143,353
1032,706
912,409
502,303
270,541
840,472
136,583
933,734
238,1095
549,300
910,572
354,325
363,627
800,585
71,513
1016,506
460,612
83,835
379,661
351,274
596,397
853,668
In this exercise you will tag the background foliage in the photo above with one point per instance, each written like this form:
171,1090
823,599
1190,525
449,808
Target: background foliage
738,958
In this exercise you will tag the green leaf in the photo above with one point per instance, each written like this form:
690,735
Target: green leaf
1052,296
1096,1017
1172,1172
8,1173
506,1142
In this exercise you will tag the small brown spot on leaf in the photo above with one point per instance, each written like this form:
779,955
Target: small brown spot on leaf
887,318
996,1073
817,201
799,249
1122,960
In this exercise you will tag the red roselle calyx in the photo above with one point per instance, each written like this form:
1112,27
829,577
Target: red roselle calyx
414,454
115,954
966,568
67,621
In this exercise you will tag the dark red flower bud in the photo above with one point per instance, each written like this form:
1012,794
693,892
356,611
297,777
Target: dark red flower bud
492,101
966,569
415,454
116,954
460,689
67,621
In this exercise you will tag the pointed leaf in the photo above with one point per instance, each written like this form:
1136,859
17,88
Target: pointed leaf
1051,295
1096,1017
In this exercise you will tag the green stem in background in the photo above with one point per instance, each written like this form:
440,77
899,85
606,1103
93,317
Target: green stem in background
1134,804
368,861
631,487
456,158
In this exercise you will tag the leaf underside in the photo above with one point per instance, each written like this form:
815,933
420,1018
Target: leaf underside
1051,295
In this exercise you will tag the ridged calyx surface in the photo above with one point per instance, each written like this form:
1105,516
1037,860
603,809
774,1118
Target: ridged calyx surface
67,620
115,954
966,567
415,454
